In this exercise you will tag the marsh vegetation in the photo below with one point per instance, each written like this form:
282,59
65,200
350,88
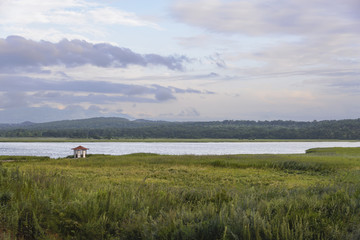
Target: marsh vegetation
148,196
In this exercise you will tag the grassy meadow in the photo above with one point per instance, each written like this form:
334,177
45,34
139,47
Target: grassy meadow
148,196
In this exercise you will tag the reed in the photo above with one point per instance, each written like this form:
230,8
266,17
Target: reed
149,196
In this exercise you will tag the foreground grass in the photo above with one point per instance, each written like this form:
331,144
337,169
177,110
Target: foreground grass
149,196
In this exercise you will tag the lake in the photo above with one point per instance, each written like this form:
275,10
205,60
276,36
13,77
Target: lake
63,149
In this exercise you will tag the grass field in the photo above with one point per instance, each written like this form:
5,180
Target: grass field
148,196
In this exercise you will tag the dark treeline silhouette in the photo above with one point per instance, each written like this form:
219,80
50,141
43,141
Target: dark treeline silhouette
108,128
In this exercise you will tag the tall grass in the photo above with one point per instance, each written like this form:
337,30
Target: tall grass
144,196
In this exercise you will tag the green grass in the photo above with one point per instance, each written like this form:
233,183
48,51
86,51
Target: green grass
335,150
149,196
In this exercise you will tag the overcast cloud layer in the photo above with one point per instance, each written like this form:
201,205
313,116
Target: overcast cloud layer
179,60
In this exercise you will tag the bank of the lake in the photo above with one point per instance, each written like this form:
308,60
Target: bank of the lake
150,196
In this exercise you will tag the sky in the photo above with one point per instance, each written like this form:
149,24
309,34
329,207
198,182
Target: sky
179,60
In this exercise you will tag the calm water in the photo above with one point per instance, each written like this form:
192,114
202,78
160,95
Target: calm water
55,150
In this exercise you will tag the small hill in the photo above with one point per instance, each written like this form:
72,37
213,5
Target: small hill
18,125
90,123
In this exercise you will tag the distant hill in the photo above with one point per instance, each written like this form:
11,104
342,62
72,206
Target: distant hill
91,123
18,125
107,128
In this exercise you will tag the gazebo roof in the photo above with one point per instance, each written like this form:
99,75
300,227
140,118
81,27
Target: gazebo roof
80,148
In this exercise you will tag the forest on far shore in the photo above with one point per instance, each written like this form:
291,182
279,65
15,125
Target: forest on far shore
114,128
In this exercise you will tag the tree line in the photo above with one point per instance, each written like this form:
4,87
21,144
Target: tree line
112,128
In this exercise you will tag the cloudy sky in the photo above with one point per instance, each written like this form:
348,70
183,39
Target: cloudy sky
179,60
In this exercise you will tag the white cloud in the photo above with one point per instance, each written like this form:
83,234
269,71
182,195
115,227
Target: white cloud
271,17
36,11
109,15
296,42
33,19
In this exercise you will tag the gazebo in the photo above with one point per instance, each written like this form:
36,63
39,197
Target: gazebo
80,152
